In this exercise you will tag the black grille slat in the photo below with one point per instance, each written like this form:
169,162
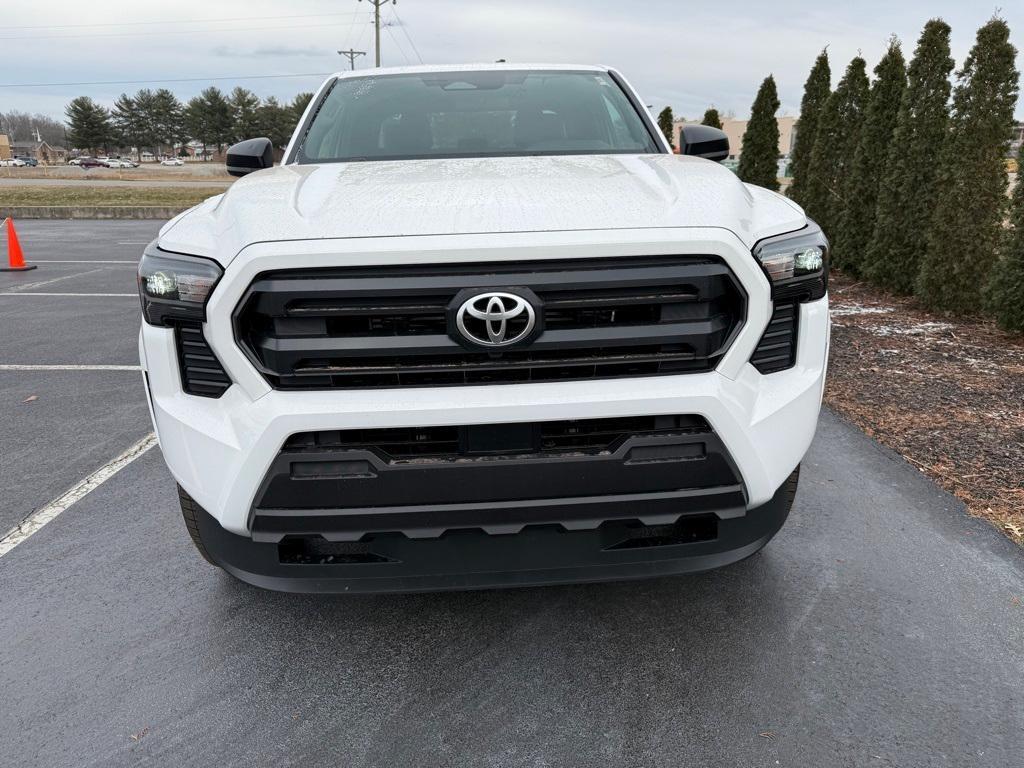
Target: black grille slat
201,372
388,326
776,351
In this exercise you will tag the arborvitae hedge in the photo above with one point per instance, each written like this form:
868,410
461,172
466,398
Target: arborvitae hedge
759,161
839,131
817,89
909,183
665,121
712,118
967,224
1007,285
861,191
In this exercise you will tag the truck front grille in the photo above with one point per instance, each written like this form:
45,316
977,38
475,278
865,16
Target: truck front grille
373,327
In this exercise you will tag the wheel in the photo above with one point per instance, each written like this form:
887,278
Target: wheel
791,484
190,511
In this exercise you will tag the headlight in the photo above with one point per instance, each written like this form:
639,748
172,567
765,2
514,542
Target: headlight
175,287
796,263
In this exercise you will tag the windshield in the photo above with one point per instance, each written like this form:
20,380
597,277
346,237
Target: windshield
474,114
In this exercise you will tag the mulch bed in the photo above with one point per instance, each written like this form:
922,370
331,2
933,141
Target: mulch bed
946,393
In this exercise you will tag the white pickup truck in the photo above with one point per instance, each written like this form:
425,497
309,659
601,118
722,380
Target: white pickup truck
481,327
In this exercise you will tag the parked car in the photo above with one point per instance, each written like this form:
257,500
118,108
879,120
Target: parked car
14,162
119,162
430,351
172,161
30,161
91,162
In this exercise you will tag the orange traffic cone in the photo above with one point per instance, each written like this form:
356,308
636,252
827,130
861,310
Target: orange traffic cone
15,258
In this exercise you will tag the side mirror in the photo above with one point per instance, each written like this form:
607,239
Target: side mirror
250,155
704,141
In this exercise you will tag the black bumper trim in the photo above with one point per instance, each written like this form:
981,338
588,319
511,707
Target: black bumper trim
537,555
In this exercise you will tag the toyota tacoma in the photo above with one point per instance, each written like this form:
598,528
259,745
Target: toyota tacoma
481,326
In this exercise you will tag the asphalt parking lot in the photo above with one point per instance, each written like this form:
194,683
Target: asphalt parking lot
881,627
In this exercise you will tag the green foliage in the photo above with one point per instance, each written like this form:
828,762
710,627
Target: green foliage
244,114
665,121
909,183
299,104
839,130
865,178
168,119
817,89
967,223
127,122
1006,292
712,118
759,161
276,122
209,118
88,124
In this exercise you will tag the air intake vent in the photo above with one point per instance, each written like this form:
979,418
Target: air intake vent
201,372
777,349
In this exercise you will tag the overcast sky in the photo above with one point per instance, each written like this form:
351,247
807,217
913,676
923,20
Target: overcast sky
684,54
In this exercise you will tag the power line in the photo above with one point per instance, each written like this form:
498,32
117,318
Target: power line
180,21
405,32
164,32
164,80
351,55
398,45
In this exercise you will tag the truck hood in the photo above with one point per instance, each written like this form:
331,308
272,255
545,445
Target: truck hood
475,196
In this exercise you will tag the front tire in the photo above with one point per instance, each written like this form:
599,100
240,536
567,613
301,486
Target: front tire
190,512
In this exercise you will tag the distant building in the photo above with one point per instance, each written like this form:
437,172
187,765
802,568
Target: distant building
1015,142
735,129
42,151
5,147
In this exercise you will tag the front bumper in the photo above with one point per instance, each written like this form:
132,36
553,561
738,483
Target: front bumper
473,559
221,450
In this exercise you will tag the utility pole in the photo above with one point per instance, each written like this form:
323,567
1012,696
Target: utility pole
376,21
351,55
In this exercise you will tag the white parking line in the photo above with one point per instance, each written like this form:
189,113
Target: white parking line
38,519
16,367
40,293
41,283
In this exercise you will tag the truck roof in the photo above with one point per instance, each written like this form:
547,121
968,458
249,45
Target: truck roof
506,66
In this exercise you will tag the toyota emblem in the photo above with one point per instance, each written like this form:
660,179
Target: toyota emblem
495,319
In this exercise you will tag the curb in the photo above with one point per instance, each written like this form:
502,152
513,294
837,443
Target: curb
160,212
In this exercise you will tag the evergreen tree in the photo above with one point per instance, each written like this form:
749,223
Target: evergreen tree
127,123
209,119
759,161
168,121
839,128
299,104
865,179
712,118
909,182
1006,294
88,124
276,122
967,222
665,121
244,108
146,107
817,89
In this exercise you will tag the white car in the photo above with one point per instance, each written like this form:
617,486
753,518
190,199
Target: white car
15,162
172,161
481,327
118,162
